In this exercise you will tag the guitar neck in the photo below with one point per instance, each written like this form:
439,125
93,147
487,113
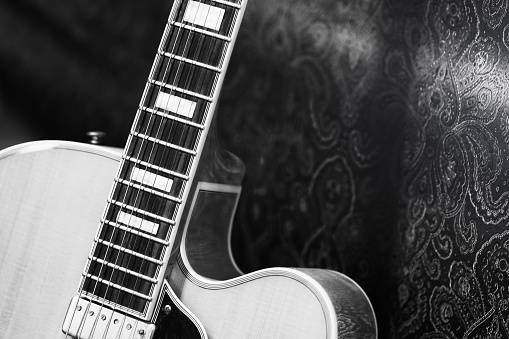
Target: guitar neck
137,231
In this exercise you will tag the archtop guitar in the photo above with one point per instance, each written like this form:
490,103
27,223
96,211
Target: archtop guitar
160,264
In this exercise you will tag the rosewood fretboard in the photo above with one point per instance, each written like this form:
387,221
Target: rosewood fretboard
132,246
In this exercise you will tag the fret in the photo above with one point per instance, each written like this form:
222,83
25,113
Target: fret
118,287
151,204
167,129
180,90
148,190
104,293
135,232
141,212
201,31
136,274
115,275
126,260
153,153
164,143
194,46
170,117
228,3
130,241
115,281
190,61
154,167
128,251
184,76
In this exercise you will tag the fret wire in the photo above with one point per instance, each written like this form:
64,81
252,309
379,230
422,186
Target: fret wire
228,3
135,232
180,90
185,76
125,270
201,31
154,167
171,129
148,190
155,152
128,251
118,287
190,61
163,143
172,117
140,211
214,47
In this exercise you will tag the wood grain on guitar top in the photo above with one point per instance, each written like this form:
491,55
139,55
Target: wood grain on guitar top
52,196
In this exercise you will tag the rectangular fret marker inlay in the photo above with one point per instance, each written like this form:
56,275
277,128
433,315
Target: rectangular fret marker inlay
136,222
204,15
151,179
175,104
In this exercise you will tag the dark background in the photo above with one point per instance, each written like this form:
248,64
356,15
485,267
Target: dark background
374,134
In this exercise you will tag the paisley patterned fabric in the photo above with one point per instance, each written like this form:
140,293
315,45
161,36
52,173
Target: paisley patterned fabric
379,135
375,135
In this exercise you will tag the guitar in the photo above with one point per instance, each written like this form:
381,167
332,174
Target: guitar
160,264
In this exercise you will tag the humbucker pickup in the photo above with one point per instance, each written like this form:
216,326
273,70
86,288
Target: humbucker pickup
88,320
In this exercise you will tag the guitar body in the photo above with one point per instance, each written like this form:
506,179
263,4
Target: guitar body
160,266
52,197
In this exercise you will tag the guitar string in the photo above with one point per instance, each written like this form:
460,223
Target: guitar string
177,158
200,82
141,153
80,292
159,63
203,78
